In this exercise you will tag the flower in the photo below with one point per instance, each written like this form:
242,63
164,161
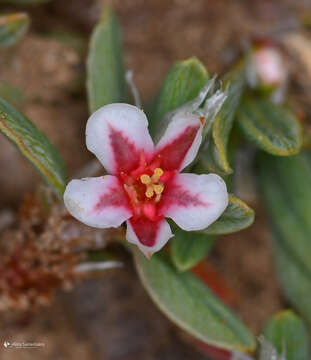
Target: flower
145,184
267,68
270,66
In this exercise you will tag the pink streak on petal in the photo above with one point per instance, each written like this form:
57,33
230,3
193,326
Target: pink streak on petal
115,197
145,230
126,155
176,195
174,152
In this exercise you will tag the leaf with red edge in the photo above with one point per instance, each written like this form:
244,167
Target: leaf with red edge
191,304
207,273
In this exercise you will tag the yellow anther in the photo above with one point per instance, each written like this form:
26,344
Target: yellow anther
157,173
145,179
152,185
158,188
149,192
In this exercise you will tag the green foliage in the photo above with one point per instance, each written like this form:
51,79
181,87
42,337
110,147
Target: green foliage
237,216
216,159
273,128
287,332
105,68
191,304
285,183
293,276
34,145
188,248
182,83
287,192
12,28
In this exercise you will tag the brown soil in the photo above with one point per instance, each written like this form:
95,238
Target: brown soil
45,71
112,317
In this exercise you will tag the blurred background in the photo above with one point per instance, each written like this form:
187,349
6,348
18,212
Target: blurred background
111,317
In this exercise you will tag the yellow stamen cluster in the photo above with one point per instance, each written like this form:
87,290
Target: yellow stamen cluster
152,185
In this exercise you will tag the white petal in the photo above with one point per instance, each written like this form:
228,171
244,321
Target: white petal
194,201
117,134
99,202
270,66
211,108
135,233
181,141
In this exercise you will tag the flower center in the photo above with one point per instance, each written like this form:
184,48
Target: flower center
144,189
153,186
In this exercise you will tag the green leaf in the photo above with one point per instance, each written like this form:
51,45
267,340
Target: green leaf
183,82
105,68
216,159
287,193
34,145
191,304
12,28
288,333
273,128
285,184
293,276
266,351
188,248
237,216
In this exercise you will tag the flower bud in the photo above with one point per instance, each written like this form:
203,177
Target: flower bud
268,71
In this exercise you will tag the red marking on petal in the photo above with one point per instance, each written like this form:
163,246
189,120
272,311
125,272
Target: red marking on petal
173,153
175,194
146,230
126,156
156,163
150,211
115,197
